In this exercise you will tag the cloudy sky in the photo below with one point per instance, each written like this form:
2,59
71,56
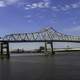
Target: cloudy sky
32,15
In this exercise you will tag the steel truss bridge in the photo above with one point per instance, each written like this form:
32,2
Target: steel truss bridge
47,35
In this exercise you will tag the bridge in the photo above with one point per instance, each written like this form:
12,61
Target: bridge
46,35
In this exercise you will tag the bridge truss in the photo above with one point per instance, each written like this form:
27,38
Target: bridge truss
47,34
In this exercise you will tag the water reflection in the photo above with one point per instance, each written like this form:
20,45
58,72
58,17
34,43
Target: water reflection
58,67
4,69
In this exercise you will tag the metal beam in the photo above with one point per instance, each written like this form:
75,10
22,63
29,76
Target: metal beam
48,34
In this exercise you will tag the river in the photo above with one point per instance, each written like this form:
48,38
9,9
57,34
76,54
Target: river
36,67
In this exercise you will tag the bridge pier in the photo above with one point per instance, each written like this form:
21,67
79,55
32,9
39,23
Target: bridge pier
51,45
5,49
52,52
45,48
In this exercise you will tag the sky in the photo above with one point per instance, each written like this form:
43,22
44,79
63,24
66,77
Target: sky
32,15
18,16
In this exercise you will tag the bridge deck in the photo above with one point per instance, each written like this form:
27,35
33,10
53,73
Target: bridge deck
18,41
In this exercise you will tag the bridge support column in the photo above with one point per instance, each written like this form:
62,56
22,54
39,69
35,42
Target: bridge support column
52,52
5,49
45,48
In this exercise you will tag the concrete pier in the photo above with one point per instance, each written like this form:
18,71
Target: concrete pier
51,46
5,49
52,52
45,48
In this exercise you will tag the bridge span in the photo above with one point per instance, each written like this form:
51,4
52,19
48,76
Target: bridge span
46,35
